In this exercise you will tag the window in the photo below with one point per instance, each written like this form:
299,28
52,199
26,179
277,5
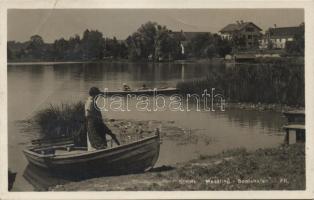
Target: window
249,37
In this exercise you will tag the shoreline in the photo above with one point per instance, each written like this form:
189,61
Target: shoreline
237,169
263,107
193,61
298,59
47,63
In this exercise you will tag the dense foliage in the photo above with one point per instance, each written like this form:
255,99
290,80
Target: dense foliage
281,83
207,45
297,46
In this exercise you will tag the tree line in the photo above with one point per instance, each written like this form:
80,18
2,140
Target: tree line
151,41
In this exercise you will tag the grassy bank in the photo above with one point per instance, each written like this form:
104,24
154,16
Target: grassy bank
281,168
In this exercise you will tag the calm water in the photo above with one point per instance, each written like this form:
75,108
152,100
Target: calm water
32,87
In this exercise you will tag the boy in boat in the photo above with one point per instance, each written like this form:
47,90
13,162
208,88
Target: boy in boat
125,87
96,128
144,87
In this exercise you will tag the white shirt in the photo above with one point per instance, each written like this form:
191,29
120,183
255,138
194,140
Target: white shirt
88,107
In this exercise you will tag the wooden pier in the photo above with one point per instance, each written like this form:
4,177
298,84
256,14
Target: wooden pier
295,129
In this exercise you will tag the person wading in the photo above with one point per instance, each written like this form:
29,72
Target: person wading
96,128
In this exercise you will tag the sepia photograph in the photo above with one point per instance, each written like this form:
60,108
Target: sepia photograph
197,99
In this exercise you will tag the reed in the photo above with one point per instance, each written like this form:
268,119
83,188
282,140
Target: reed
279,83
64,120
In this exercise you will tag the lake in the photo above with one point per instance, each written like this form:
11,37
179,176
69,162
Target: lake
35,86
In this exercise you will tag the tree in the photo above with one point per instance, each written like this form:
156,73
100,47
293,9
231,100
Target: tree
204,45
148,38
134,47
210,51
170,47
297,45
36,47
36,40
60,48
223,46
150,41
123,50
10,54
93,45
74,51
112,48
198,43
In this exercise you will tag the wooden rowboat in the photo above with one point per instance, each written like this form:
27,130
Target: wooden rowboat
143,91
128,158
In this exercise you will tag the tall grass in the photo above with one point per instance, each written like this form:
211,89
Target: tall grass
280,83
64,120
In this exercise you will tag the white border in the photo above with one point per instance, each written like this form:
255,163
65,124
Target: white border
308,5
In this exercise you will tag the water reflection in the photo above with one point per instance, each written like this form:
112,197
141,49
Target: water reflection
42,179
182,72
142,72
257,119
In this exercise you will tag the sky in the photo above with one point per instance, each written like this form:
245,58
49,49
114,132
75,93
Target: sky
53,24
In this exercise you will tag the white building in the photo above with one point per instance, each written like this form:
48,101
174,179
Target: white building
276,38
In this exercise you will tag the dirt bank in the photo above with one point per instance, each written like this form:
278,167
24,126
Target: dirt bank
281,168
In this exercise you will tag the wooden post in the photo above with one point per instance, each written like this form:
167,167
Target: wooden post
287,137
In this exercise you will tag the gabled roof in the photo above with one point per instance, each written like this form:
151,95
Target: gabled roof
284,31
237,27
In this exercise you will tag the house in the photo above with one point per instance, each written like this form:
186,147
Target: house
245,34
277,37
